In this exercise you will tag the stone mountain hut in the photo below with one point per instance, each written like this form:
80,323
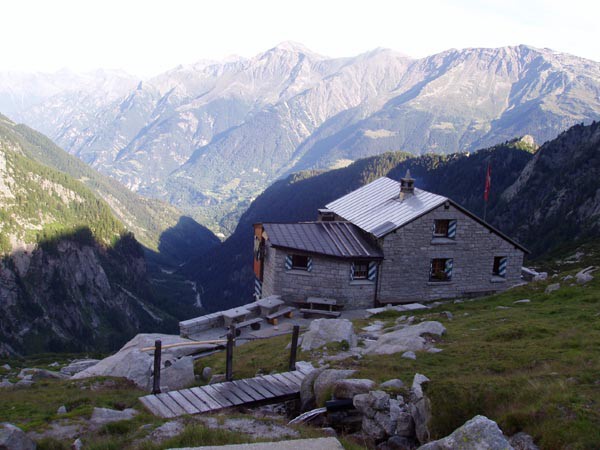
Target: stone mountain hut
386,242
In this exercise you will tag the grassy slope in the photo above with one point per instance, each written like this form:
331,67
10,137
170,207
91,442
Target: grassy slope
532,367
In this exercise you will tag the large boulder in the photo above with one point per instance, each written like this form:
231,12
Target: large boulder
323,331
136,365
307,391
78,365
406,339
478,433
324,382
13,438
352,386
178,375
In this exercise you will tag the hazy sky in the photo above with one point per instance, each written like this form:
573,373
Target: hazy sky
149,36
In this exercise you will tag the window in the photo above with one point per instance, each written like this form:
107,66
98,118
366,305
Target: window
499,268
298,262
444,228
360,270
441,269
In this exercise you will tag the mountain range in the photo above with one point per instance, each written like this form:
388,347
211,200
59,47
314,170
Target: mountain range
211,136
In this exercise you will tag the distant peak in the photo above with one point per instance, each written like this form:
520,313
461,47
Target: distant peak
292,46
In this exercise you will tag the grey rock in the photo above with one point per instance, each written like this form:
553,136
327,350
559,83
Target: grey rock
179,375
166,431
77,444
405,425
24,383
324,331
502,307
409,355
420,408
372,428
541,276
207,373
325,381
328,431
307,392
6,367
522,441
434,350
448,315
525,300
406,339
100,416
40,374
13,438
394,384
304,366
585,275
78,366
552,287
131,363
369,404
61,410
399,443
6,384
478,433
352,386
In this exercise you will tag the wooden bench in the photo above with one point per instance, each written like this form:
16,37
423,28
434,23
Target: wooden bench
327,303
287,312
252,323
306,312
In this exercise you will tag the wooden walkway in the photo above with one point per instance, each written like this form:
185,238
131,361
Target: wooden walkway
212,397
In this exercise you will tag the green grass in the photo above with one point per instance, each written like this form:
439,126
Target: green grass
533,367
33,408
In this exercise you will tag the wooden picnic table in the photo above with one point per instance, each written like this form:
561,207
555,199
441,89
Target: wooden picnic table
268,305
235,315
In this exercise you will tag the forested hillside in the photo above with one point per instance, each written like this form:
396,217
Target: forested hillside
71,277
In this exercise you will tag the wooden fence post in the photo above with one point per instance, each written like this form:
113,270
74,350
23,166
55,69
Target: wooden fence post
157,356
294,348
229,354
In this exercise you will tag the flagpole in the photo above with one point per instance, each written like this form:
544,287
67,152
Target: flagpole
484,209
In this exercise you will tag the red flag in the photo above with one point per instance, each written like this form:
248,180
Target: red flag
488,183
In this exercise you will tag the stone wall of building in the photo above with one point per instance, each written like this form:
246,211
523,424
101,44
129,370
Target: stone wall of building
404,273
329,277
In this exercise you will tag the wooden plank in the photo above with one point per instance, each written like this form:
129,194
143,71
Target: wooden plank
207,399
292,386
172,404
248,390
291,379
284,388
238,392
197,402
273,386
157,407
221,389
210,390
183,402
295,375
258,387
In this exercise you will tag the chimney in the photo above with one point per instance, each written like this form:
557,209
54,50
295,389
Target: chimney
407,185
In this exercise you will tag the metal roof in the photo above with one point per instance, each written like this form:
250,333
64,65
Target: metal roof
339,239
377,208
